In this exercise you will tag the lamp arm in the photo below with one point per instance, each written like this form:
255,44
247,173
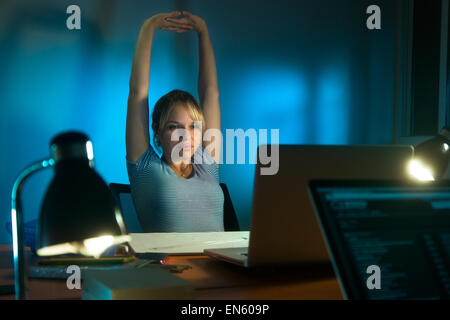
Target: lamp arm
17,225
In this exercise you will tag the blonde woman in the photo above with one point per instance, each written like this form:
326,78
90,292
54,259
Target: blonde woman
171,194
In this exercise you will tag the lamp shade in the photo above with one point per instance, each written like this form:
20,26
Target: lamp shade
435,153
78,204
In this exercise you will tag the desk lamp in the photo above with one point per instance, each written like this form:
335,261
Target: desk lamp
431,157
78,214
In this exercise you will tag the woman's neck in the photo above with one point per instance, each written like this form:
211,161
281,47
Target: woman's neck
180,168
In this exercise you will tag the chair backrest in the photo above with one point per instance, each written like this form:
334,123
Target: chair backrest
122,193
230,221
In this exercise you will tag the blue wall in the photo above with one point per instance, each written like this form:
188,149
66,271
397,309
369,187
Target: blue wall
308,68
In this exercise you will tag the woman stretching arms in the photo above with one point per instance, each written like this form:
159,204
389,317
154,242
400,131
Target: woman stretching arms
174,194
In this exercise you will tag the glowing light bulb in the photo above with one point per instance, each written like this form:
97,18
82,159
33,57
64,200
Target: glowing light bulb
89,247
96,246
419,171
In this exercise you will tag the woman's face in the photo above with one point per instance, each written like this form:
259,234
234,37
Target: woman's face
186,135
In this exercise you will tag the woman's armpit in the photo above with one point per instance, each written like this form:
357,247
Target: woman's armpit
147,157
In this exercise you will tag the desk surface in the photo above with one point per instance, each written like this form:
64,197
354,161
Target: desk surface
212,280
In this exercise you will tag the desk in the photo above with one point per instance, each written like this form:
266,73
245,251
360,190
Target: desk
213,280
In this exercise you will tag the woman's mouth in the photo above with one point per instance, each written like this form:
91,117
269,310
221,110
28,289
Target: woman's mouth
187,147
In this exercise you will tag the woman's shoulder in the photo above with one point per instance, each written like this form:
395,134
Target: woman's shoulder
204,159
146,160
149,155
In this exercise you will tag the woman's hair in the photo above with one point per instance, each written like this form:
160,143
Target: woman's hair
165,105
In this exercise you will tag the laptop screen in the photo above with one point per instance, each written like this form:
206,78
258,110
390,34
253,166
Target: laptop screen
388,240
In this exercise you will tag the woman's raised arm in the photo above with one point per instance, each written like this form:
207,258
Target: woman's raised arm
208,90
137,135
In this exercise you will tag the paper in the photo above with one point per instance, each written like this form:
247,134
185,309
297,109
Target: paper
187,243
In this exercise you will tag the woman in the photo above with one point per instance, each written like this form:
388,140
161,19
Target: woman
171,194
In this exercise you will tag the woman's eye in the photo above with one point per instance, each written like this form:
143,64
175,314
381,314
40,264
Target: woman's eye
171,127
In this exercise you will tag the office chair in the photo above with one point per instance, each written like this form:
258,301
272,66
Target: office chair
122,193
230,221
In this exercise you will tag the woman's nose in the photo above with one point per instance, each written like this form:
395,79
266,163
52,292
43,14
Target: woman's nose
188,135
190,131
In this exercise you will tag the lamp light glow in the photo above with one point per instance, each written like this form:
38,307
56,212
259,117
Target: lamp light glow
419,171
89,247
96,246
57,249
431,157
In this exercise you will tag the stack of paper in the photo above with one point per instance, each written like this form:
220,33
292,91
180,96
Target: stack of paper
187,243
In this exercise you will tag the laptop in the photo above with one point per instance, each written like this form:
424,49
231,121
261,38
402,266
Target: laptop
284,229
387,239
